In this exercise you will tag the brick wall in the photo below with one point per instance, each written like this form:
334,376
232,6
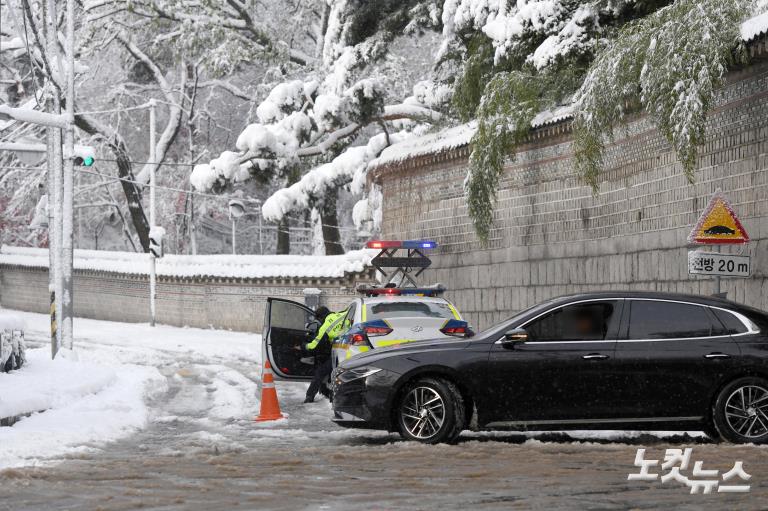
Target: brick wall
552,236
235,304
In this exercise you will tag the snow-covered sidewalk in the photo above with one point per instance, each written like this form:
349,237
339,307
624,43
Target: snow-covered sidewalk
100,392
83,403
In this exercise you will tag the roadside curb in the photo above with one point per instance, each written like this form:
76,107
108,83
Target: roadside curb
13,419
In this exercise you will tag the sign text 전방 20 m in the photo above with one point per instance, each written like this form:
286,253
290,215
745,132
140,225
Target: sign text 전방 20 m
714,263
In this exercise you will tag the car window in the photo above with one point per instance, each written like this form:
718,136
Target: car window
289,315
349,320
591,321
732,324
650,319
384,310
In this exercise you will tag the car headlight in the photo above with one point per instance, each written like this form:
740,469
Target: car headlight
346,376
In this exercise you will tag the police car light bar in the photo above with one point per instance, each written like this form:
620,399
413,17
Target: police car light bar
401,291
409,244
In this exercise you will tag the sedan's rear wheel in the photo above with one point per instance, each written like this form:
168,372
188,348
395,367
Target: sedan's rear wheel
741,411
431,411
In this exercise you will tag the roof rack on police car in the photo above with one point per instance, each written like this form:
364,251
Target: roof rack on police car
407,267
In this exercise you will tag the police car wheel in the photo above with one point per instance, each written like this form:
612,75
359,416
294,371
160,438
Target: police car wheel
741,411
431,411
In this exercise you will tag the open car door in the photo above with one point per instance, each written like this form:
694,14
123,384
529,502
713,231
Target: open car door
285,329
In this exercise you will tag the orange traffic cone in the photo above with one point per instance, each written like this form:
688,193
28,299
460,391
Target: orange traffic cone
270,408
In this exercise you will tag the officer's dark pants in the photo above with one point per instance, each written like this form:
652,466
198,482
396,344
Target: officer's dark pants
322,373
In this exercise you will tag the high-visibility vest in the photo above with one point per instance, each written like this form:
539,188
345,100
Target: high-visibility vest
333,326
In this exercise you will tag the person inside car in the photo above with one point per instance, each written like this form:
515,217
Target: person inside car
330,329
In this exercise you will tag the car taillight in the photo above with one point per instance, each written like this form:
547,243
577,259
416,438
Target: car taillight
373,331
456,328
357,339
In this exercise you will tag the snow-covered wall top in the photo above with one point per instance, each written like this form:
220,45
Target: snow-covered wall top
460,136
432,143
754,27
226,266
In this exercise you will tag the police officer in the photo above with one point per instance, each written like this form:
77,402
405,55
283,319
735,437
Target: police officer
320,347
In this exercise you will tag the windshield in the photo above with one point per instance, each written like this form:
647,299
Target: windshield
386,310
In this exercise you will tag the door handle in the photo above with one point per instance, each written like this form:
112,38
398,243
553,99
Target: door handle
595,356
717,355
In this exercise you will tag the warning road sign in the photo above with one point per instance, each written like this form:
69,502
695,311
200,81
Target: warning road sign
718,224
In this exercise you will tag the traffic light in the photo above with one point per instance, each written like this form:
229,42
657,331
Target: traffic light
156,234
84,156
84,162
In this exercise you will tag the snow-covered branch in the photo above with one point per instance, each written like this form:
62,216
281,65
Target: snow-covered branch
329,141
227,86
175,114
34,116
412,112
350,166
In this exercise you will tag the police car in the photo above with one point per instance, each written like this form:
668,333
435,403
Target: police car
381,317
392,316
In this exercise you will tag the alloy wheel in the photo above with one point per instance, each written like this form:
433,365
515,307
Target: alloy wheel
746,411
423,412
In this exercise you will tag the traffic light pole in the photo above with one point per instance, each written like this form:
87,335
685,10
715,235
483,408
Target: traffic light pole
55,195
67,249
152,219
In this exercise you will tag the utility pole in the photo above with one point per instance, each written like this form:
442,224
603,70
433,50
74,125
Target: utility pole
67,252
192,231
55,195
152,219
234,236
51,235
261,225
236,210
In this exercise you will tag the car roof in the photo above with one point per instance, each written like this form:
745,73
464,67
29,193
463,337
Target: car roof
698,299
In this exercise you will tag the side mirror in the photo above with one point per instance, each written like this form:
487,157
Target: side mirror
513,337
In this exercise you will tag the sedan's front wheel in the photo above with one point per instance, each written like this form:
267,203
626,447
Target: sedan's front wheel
741,411
431,411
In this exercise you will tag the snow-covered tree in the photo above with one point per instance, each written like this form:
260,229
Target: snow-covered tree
516,59
668,64
304,94
319,133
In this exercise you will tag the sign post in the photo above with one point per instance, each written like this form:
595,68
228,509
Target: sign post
718,225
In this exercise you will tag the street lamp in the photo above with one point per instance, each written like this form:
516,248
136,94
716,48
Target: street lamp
236,210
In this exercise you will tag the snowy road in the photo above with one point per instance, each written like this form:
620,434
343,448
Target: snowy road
201,450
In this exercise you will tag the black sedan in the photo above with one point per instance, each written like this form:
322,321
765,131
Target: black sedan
609,360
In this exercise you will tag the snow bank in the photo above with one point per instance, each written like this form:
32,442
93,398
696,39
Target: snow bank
87,403
46,383
10,321
231,266
139,343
